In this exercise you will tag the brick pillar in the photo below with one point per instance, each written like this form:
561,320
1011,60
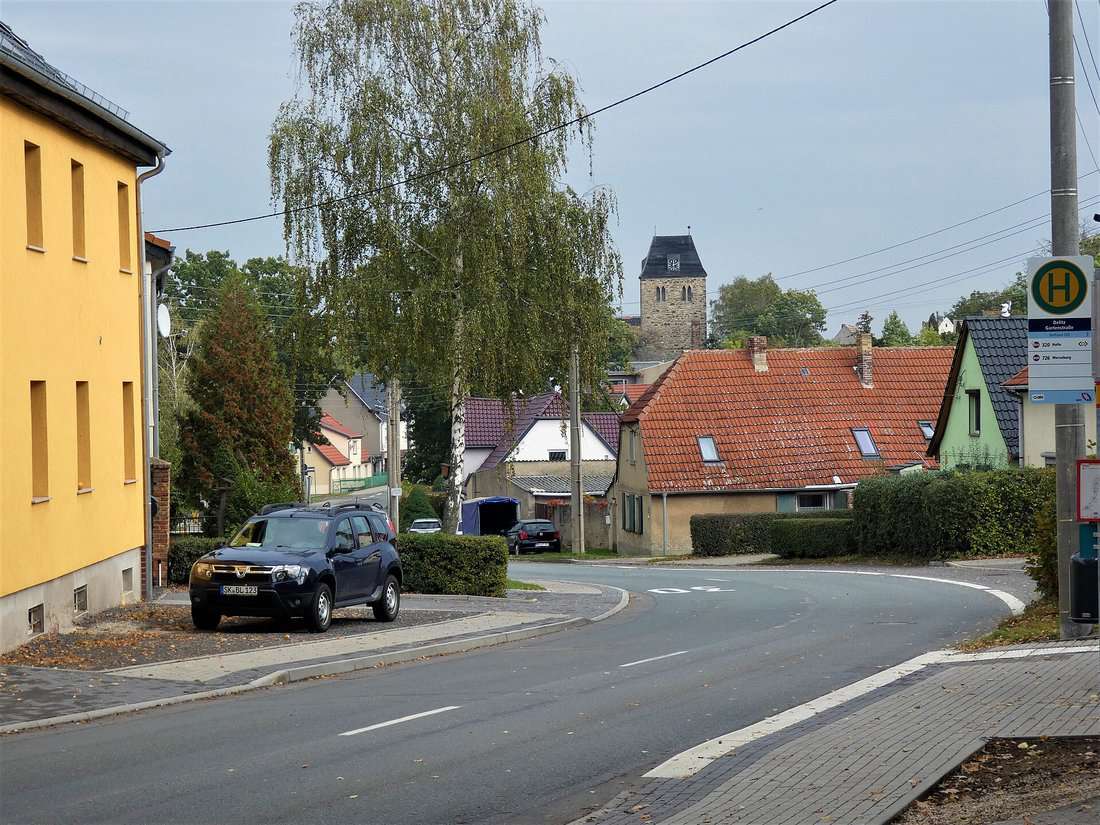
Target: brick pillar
161,474
865,360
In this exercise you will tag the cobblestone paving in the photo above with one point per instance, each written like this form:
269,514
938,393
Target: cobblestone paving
867,762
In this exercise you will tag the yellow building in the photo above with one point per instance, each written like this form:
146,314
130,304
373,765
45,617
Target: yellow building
72,455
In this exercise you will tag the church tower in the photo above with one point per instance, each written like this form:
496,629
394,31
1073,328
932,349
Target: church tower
674,297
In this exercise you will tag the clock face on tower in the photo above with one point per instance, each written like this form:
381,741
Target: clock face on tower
673,263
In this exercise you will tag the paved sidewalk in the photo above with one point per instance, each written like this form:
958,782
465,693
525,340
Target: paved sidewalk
33,694
863,762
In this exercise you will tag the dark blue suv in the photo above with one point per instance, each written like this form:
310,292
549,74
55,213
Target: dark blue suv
301,561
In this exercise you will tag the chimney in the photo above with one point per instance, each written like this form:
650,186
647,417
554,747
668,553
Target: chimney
863,359
758,349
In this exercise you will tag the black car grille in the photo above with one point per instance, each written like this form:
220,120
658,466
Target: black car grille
231,574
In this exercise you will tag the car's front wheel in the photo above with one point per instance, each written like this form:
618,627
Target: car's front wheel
204,618
387,608
319,616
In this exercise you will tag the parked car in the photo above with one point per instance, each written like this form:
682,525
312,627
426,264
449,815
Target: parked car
426,525
301,561
533,535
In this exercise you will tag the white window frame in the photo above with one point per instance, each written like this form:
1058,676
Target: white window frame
717,459
799,508
870,440
931,429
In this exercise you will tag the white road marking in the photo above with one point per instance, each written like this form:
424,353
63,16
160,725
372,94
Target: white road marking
654,658
1014,604
408,718
695,759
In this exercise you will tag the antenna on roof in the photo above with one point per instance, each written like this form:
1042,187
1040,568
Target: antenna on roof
689,228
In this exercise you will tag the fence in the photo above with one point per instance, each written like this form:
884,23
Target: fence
341,486
186,526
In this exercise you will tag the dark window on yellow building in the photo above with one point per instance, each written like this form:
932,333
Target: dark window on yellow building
83,438
32,165
40,456
78,209
128,450
124,227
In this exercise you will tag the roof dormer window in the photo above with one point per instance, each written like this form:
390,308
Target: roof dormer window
673,263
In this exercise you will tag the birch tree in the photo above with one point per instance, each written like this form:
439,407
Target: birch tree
468,260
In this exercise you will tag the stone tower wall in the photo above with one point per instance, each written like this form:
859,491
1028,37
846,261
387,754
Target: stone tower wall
673,325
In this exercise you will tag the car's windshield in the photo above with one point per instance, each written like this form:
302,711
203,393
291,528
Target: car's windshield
299,533
426,522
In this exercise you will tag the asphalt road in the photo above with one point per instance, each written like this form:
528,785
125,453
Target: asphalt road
530,732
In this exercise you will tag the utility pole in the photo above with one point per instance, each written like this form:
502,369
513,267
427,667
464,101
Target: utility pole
577,486
1069,419
393,449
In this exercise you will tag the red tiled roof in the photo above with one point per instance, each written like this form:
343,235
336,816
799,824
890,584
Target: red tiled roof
1018,380
782,429
632,392
153,239
331,455
331,423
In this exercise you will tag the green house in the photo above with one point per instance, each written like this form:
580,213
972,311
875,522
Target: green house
979,421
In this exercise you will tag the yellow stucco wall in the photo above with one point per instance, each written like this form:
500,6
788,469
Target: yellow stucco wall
63,321
1037,431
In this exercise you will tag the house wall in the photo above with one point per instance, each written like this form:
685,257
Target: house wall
1037,432
358,418
353,449
545,436
631,477
958,446
64,320
682,507
472,460
322,470
597,531
651,374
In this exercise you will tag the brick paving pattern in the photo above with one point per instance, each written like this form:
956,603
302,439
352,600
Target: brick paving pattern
862,766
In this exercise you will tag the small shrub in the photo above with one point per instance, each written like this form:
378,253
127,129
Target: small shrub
443,563
812,538
184,552
415,505
1042,565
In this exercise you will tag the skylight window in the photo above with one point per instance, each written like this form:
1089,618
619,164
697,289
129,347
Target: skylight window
865,443
708,449
927,428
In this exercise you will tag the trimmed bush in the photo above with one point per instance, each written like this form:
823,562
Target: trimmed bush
184,552
733,534
443,563
1042,565
938,515
813,538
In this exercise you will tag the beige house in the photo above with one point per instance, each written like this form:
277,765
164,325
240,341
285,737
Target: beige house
362,407
339,463
753,431
1036,446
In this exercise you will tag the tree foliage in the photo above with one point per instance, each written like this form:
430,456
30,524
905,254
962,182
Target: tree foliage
477,266
237,433
759,306
894,331
298,310
863,322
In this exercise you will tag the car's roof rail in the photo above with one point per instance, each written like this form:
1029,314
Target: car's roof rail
271,508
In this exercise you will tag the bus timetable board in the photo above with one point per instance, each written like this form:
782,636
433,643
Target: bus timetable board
1059,331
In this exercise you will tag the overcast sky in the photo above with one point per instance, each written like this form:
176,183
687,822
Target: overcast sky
867,124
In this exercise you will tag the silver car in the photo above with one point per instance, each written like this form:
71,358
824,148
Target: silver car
426,525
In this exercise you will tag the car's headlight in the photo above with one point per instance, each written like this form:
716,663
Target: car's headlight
288,572
202,570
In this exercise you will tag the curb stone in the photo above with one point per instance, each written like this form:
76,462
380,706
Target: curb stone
338,667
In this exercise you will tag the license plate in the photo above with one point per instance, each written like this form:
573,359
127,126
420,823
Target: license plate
542,544
240,590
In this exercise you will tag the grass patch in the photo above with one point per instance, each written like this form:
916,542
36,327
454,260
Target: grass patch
513,584
592,553
1038,623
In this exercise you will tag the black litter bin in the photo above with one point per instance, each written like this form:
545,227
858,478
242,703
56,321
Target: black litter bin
1083,604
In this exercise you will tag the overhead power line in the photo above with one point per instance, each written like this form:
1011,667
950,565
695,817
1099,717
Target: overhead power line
507,147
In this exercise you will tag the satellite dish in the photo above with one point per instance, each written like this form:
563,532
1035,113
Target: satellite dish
164,321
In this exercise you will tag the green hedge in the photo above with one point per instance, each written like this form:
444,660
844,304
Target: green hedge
813,538
731,534
937,515
443,563
185,551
